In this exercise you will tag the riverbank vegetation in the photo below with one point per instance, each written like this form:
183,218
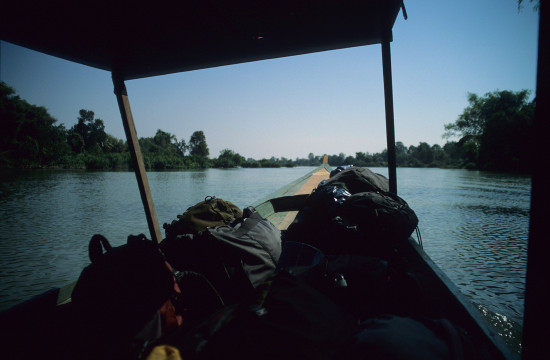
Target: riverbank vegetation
495,132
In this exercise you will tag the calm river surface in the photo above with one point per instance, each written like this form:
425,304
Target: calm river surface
474,225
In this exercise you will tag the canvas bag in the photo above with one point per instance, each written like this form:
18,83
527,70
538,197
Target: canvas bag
210,212
254,240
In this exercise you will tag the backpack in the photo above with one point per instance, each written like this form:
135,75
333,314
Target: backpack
360,284
353,213
282,319
365,286
287,317
235,257
404,338
123,299
210,212
358,179
320,306
254,240
380,216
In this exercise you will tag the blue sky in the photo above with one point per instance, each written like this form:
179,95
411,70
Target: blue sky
329,102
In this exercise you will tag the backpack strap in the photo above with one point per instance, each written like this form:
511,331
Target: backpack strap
96,246
248,223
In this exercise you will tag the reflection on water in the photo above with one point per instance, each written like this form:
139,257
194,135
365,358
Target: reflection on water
475,227
474,224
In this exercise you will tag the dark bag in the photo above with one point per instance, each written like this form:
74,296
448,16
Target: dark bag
358,179
321,308
318,223
380,216
360,284
402,338
284,319
124,298
363,285
210,212
352,213
255,241
234,258
377,211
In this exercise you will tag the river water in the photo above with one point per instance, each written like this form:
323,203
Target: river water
474,225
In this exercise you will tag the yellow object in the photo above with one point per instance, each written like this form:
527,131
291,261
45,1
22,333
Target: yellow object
164,352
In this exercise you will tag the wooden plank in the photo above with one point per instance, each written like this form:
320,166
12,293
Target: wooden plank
281,207
313,181
307,188
137,159
287,220
287,190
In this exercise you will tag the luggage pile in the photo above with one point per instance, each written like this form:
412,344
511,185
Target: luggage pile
355,213
226,283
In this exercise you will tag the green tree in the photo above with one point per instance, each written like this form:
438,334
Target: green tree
471,122
182,147
350,160
497,130
311,158
453,153
197,145
536,4
360,159
164,139
470,151
88,133
29,136
114,145
439,157
228,159
401,154
422,155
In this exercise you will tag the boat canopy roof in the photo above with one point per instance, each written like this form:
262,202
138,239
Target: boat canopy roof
140,39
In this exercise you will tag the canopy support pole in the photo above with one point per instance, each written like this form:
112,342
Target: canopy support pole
137,159
536,332
390,128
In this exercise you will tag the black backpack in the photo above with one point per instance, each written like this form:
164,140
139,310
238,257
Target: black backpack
353,213
358,179
235,258
380,216
125,298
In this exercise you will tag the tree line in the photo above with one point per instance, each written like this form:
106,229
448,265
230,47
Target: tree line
494,132
31,138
